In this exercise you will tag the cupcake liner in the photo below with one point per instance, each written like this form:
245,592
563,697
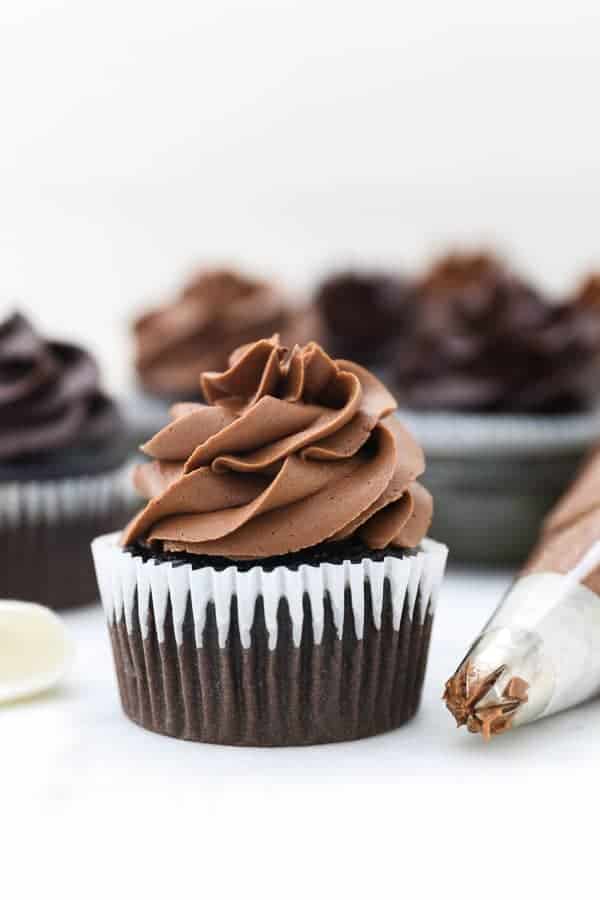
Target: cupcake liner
32,502
495,477
46,528
301,655
451,434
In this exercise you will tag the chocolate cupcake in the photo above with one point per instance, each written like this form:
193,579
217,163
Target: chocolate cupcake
278,587
500,385
62,475
365,314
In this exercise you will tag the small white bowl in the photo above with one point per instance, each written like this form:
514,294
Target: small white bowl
36,650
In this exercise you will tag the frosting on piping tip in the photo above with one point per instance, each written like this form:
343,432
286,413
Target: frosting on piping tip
293,449
540,652
468,690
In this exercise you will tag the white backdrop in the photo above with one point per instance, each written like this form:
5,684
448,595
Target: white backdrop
138,138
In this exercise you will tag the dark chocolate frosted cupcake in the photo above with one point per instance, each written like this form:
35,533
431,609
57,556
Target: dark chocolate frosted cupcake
278,587
62,477
365,314
487,341
500,385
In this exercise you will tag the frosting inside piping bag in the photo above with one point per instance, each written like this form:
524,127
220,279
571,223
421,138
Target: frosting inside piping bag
546,631
293,449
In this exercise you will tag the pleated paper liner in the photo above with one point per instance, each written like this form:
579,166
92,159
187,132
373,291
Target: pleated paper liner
46,528
298,656
479,435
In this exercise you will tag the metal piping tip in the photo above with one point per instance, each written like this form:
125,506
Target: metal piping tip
474,700
539,653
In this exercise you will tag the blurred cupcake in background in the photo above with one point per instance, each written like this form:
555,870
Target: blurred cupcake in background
500,384
215,312
62,467
588,295
364,314
487,341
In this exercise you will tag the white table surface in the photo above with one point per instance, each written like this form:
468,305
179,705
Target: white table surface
141,138
85,714
74,758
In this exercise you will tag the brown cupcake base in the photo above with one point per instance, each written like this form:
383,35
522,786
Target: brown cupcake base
50,563
340,689
46,528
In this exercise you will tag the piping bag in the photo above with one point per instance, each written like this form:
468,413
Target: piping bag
540,651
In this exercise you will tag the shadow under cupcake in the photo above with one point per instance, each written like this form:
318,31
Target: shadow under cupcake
278,587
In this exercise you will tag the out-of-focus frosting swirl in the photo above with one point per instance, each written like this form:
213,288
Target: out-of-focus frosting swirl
216,312
487,341
50,398
366,314
294,449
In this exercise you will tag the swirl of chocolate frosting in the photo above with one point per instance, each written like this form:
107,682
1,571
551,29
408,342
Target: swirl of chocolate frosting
487,341
587,297
294,449
365,313
50,399
216,312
